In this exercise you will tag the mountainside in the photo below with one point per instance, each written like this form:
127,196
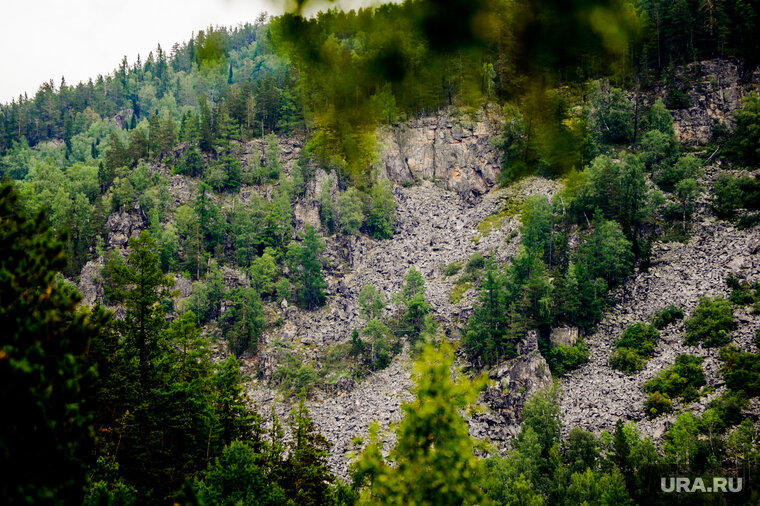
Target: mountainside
430,252
445,169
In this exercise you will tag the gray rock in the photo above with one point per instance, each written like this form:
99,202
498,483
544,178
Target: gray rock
453,151
123,225
564,336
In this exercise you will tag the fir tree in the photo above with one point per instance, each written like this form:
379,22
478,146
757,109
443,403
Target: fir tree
46,367
306,266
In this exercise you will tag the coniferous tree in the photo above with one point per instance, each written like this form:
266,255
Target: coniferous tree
140,285
243,320
306,478
46,364
486,337
433,455
306,266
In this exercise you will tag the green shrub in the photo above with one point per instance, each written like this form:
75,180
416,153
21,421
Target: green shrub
748,221
711,323
475,263
682,379
635,346
728,408
742,297
627,360
741,370
452,269
741,291
731,193
670,314
677,99
687,167
640,337
294,376
566,358
283,289
657,403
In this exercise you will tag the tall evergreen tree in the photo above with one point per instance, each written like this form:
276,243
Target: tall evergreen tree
46,370
433,454
141,286
306,266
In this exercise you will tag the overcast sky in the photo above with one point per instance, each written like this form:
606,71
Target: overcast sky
79,39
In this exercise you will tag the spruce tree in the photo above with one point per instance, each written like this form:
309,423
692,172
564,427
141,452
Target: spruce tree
140,285
433,455
306,267
484,338
46,367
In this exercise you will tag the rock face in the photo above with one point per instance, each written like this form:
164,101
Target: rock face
564,336
90,285
514,382
456,153
716,88
123,225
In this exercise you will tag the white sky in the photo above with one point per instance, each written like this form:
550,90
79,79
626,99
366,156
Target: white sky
79,39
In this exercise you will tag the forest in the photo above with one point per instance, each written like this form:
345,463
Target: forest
137,405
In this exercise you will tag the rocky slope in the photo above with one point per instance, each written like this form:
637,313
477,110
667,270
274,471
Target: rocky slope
445,168
435,227
595,395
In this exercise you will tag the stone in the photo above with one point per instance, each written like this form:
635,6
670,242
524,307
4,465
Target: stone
125,224
564,336
445,149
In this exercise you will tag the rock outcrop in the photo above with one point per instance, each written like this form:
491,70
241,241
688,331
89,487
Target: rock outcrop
455,152
563,336
514,381
123,225
90,285
716,88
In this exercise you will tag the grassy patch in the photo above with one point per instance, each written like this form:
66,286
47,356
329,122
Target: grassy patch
460,288
489,223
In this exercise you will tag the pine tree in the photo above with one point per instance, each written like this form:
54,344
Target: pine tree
433,455
306,266
46,369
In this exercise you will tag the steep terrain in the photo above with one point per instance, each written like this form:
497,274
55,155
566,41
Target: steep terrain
444,169
595,395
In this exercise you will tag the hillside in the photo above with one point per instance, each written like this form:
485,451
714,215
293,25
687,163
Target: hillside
445,169
390,256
